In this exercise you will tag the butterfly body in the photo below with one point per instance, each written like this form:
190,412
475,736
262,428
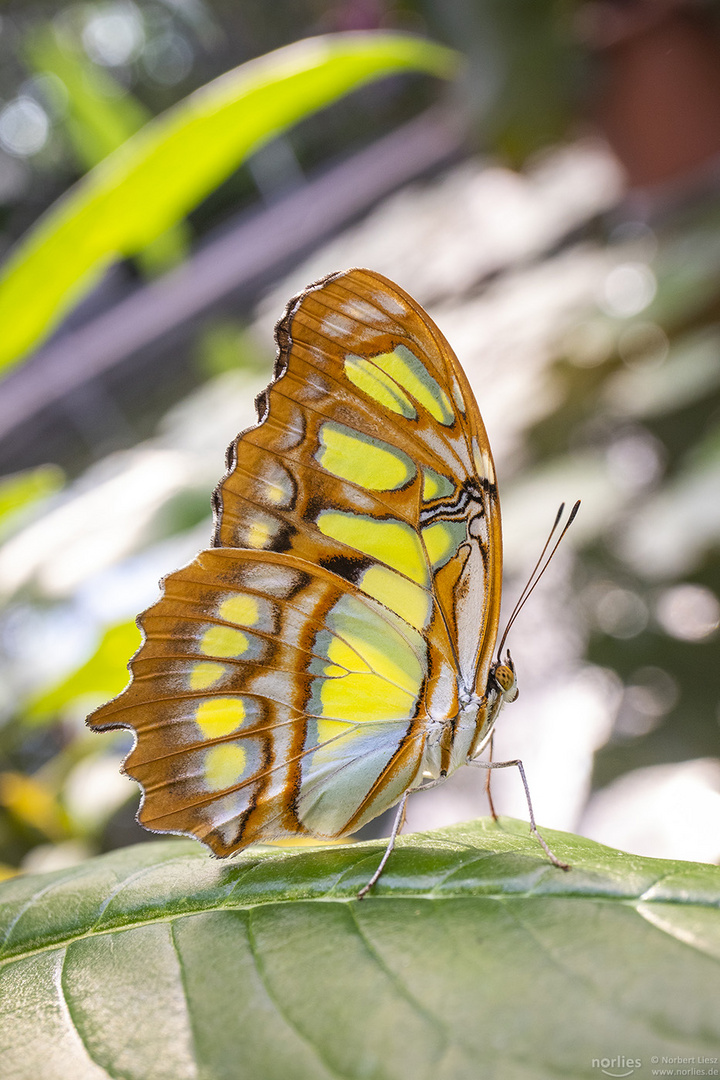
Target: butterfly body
334,648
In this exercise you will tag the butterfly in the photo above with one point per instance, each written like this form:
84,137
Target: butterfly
333,650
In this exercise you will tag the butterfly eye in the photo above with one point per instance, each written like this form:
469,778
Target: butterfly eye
506,680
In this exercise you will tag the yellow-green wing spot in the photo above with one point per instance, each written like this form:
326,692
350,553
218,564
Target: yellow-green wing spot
244,610
228,643
223,641
371,463
389,541
412,375
436,486
220,716
224,765
404,597
442,540
364,374
205,674
380,673
260,532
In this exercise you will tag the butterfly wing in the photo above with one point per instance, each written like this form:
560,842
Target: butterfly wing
289,677
371,459
270,699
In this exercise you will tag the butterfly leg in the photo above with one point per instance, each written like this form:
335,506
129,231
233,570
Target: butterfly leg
533,827
397,826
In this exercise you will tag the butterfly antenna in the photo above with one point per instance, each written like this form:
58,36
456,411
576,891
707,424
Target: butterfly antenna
538,570
521,599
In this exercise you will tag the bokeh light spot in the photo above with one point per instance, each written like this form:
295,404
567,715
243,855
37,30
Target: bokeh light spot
628,289
621,612
635,459
168,58
114,34
24,127
688,612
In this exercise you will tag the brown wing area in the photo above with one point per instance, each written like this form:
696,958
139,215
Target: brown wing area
278,480
226,701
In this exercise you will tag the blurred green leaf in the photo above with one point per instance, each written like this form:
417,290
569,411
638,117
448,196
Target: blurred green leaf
225,345
158,175
23,490
473,957
100,116
33,801
102,677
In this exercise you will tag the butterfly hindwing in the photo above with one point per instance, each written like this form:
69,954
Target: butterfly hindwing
270,699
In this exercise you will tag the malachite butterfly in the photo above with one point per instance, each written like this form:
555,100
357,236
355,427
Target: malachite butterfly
333,650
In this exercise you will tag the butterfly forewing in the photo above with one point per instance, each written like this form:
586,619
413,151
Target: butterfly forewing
371,458
290,676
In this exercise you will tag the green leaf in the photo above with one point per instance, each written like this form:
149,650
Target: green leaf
100,115
102,676
22,491
473,957
147,185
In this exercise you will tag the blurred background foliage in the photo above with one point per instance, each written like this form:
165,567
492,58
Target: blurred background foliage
553,201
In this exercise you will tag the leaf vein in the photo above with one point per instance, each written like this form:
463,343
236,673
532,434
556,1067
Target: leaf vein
281,1011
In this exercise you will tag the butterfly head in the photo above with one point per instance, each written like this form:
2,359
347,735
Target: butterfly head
503,676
